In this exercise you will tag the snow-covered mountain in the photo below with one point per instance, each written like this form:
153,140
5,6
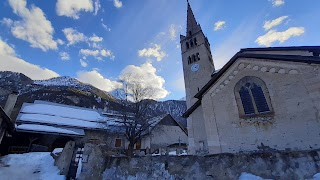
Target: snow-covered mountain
62,81
70,91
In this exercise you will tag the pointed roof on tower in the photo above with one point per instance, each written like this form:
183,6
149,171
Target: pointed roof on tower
192,24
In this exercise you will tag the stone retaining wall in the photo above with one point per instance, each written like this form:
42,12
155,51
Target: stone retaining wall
273,165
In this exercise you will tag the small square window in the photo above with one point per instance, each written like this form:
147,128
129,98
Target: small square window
118,143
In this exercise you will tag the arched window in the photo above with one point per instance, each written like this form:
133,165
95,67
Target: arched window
195,41
189,60
190,33
252,97
187,44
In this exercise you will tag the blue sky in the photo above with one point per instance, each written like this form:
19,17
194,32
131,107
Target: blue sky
98,41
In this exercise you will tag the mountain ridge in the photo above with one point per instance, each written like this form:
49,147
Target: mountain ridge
70,91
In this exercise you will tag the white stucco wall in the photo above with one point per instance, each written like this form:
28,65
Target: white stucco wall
295,96
163,136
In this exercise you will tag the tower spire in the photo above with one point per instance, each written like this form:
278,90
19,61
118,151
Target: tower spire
192,25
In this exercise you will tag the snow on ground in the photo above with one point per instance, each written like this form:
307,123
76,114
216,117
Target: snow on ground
248,176
316,176
37,165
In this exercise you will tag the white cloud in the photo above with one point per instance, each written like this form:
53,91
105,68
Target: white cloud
105,53
9,62
89,52
64,56
146,74
33,28
7,22
83,63
97,6
277,2
117,3
95,38
72,8
273,36
96,79
270,24
154,51
5,49
73,36
60,42
219,25
98,54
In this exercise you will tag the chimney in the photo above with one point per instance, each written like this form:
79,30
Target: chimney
11,102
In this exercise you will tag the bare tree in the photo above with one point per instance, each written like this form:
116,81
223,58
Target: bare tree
136,95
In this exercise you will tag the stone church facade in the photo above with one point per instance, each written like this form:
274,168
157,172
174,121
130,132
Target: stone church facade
262,99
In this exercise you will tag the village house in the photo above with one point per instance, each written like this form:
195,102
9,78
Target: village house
44,126
261,99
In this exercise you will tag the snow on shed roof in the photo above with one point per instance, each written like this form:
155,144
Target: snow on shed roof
62,111
49,129
47,117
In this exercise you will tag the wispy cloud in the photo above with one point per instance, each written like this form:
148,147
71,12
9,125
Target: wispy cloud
98,54
219,25
64,56
273,36
117,3
73,36
173,31
154,51
97,6
277,2
106,27
83,63
270,24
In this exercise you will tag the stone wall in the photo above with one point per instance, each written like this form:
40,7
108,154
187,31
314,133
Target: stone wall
64,160
277,165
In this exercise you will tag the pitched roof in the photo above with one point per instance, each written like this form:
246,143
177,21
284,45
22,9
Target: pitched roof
244,54
47,117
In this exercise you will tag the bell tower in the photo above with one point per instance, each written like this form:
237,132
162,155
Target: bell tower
196,58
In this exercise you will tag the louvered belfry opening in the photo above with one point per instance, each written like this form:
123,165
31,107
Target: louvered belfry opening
252,95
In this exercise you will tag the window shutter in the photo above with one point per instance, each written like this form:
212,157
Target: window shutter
260,99
246,101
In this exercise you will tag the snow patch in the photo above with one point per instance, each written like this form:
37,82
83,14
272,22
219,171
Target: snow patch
316,176
56,151
248,176
29,166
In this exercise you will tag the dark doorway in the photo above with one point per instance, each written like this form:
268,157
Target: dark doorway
60,142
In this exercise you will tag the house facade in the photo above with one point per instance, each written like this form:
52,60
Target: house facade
54,124
262,99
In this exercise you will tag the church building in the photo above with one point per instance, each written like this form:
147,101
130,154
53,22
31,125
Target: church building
261,99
